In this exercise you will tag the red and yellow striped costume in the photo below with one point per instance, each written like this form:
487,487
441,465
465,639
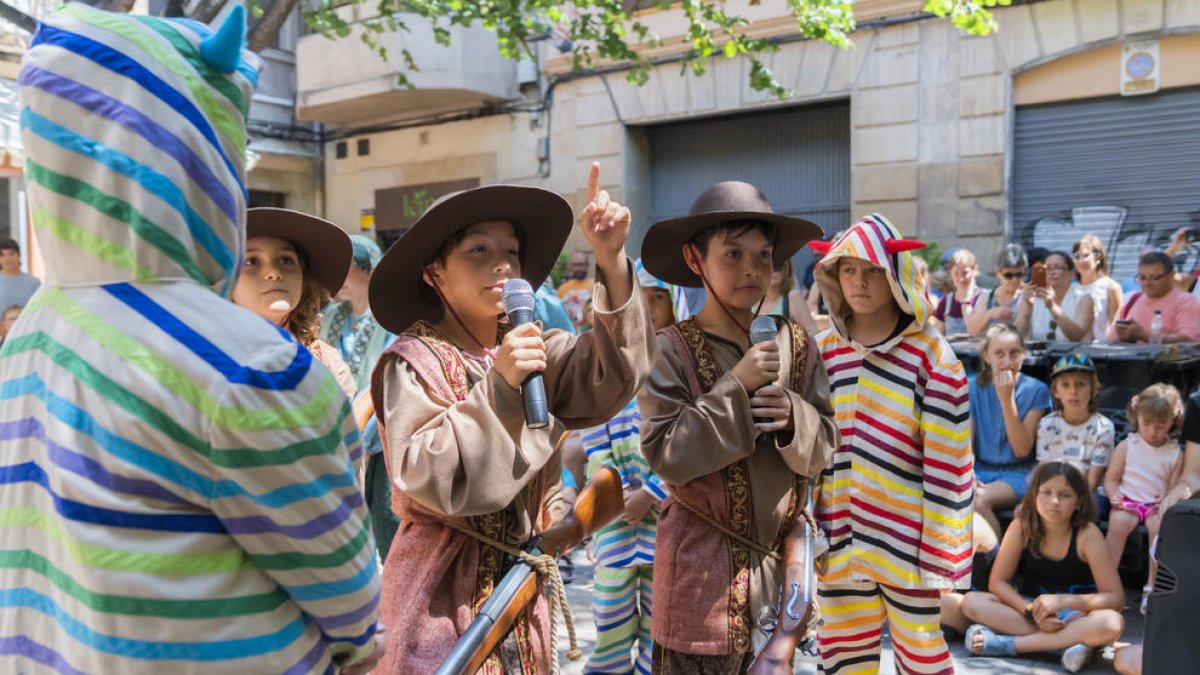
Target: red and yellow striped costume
896,499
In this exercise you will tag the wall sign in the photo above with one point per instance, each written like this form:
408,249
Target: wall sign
1139,68
399,207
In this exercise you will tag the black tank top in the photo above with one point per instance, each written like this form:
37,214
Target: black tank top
1040,575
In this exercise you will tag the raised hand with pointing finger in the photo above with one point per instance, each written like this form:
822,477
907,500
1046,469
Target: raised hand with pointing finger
605,224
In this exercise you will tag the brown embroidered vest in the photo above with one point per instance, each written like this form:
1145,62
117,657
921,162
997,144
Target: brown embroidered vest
440,366
690,344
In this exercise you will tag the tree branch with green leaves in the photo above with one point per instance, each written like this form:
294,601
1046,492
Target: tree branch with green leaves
612,30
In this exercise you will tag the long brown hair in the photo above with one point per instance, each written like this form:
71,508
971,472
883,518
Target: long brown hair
1031,523
304,322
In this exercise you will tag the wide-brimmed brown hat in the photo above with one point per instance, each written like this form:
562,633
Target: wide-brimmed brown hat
325,246
730,201
542,219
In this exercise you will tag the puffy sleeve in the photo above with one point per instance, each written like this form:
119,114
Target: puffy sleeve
949,477
589,378
288,495
459,458
1044,431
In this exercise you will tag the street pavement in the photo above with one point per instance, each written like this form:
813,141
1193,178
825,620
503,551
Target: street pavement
579,594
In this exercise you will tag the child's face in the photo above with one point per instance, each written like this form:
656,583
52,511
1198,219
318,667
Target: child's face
1073,391
1056,501
864,285
271,281
738,267
1153,431
475,271
658,301
962,274
1005,352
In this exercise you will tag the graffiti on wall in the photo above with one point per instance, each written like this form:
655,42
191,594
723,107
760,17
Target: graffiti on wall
1124,240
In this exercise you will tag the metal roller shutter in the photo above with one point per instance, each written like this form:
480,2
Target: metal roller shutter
799,158
1124,169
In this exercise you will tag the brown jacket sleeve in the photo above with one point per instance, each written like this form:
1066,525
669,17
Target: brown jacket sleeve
683,440
464,458
815,434
591,377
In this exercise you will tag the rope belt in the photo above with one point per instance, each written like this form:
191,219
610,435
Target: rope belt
546,567
744,541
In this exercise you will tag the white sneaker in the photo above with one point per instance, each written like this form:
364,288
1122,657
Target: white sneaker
1076,657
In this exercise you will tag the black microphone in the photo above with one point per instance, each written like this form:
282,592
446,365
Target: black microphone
517,298
764,329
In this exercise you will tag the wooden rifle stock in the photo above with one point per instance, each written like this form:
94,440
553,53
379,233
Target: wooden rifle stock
795,603
598,504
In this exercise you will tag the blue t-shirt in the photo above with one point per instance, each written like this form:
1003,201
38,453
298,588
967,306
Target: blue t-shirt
990,440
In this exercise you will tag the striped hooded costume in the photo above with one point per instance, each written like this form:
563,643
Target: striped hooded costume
177,492
896,499
624,551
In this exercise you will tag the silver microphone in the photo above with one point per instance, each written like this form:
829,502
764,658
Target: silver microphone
764,329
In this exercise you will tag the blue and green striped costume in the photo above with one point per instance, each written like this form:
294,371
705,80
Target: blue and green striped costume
177,493
624,551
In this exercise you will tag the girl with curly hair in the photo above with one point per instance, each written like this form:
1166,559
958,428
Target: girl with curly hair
294,264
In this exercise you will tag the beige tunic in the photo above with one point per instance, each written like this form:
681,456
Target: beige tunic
475,462
712,457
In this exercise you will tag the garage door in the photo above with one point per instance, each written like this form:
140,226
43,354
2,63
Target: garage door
799,158
1125,169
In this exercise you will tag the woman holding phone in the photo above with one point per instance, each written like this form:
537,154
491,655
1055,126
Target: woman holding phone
1051,308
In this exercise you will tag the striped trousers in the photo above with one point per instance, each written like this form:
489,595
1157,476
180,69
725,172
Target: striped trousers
621,605
853,614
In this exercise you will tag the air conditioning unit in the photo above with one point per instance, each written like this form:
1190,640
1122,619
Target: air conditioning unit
527,70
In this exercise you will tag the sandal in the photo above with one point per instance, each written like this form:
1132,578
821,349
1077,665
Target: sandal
993,644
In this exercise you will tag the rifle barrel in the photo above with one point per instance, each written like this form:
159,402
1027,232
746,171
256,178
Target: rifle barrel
519,580
597,505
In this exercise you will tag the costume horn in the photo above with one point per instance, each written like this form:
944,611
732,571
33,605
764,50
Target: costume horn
223,49
894,246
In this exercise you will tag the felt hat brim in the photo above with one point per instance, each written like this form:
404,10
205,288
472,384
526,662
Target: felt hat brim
542,219
326,247
662,249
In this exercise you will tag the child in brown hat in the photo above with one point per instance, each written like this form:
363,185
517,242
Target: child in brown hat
294,264
462,460
734,429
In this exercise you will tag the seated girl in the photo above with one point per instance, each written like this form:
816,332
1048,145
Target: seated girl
1006,408
1054,585
1144,467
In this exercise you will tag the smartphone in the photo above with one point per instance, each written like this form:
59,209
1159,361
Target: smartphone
1193,234
1037,276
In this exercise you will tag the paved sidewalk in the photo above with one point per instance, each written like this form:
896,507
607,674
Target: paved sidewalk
580,590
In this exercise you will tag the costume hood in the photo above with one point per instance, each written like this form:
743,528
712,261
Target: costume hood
874,239
136,172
